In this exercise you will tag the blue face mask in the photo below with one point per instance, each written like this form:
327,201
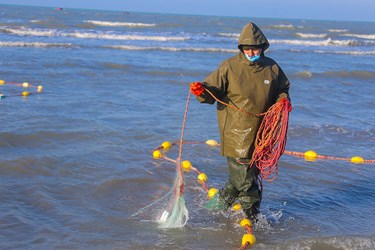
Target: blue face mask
253,58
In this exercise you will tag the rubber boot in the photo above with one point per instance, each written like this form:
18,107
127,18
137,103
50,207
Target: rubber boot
252,212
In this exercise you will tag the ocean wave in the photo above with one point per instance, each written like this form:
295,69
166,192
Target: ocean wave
362,36
338,52
345,243
121,24
22,31
362,74
326,42
304,74
36,44
337,30
351,52
87,35
306,35
173,49
125,37
359,74
39,139
282,26
234,35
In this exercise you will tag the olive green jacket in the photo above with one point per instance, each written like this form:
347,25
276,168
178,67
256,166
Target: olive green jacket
253,87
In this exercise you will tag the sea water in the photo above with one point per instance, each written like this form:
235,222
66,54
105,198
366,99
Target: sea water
76,165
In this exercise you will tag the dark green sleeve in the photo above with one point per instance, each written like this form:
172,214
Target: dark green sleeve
283,88
216,83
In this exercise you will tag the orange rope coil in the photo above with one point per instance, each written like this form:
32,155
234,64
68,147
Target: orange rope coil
271,139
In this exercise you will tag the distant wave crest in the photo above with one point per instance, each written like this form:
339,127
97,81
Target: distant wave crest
358,74
90,35
306,35
362,36
282,26
305,74
326,42
337,30
235,35
173,49
340,52
35,44
351,52
126,24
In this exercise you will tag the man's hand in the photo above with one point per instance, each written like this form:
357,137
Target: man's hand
196,88
286,102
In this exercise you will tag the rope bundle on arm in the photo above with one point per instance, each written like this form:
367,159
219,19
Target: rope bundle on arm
271,139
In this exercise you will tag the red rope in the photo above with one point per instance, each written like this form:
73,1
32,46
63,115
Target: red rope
179,188
271,139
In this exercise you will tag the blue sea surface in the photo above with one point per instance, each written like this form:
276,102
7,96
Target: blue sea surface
76,165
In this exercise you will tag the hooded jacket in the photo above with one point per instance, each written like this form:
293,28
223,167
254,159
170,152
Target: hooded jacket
250,86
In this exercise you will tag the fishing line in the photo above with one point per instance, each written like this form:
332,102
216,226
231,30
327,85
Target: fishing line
177,214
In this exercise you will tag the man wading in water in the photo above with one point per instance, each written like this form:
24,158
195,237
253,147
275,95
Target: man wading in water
252,82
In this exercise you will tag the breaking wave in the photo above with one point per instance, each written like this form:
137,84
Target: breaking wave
173,49
121,24
351,52
282,26
326,42
234,35
362,36
338,52
35,44
304,35
355,74
88,35
337,30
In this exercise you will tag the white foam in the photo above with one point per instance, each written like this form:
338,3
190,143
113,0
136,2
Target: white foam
351,52
326,42
307,35
306,73
345,243
22,31
337,30
35,21
283,26
126,24
88,35
123,37
173,49
235,35
363,36
34,44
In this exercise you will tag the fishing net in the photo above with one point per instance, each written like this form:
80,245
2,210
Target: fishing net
177,214
170,210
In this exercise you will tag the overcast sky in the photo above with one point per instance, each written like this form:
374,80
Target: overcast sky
352,10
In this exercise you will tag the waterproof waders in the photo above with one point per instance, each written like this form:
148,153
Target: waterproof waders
243,184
